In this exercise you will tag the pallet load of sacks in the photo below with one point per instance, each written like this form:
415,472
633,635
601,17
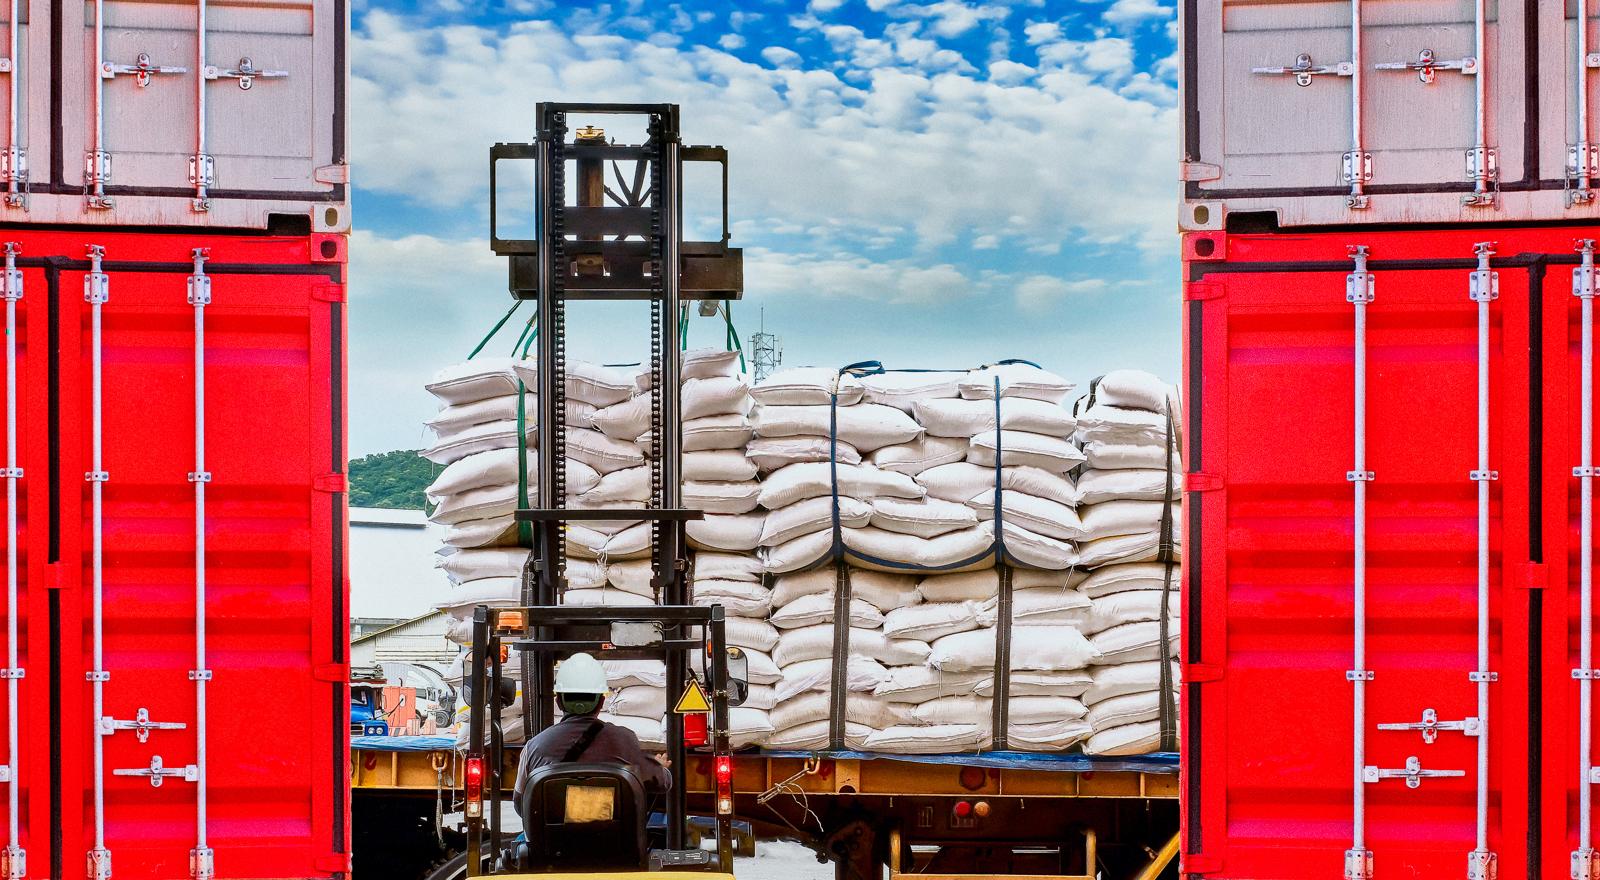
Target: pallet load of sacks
921,484
477,446
985,535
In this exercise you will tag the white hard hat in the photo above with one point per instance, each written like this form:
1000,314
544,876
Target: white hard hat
580,674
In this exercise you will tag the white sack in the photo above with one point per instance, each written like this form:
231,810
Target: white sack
798,482
716,432
1131,606
473,381
466,565
1025,448
1032,647
902,390
926,518
918,684
931,621
1138,484
806,386
718,464
1133,643
866,426
731,533
881,590
810,516
706,363
714,397
1126,678
455,417
457,445
920,454
1038,515
723,498
772,453
964,418
818,608
922,740
1016,380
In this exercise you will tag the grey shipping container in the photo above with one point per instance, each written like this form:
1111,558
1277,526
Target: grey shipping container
215,113
1389,111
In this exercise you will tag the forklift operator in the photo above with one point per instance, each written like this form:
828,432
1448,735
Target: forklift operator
580,737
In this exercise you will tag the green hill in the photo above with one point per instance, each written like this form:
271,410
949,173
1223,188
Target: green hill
390,479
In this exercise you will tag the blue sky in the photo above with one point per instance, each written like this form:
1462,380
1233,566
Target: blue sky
931,184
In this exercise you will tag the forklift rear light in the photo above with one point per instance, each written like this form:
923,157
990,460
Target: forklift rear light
509,620
723,770
474,784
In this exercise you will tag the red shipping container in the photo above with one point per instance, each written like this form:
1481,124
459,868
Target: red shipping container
273,526
1274,757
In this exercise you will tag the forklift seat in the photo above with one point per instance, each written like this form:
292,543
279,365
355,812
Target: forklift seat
584,817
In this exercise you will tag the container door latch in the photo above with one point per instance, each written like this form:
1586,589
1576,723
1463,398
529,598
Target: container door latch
1430,725
1412,773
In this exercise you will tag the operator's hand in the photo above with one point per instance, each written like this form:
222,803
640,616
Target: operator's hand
663,760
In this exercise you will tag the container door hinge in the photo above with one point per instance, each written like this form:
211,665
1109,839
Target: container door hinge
100,864
1584,865
330,483
1413,773
14,863
1196,291
1430,725
1195,481
331,174
338,863
338,673
141,725
1358,864
333,293
1482,865
1199,171
158,772
1193,673
202,863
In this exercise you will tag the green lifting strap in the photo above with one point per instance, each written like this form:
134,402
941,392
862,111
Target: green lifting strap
495,329
530,334
733,343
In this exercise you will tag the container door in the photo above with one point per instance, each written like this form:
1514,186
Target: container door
30,550
257,105
1275,108
203,689
1288,628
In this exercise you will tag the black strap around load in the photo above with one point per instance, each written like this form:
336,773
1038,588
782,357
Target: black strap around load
839,685
1000,720
584,741
1167,556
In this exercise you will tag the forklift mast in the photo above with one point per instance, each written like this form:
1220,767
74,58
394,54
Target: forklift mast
622,244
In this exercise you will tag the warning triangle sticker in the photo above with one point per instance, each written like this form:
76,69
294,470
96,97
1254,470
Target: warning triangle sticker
693,699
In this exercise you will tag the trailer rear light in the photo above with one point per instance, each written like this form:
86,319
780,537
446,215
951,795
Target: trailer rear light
474,781
724,775
695,732
981,809
963,809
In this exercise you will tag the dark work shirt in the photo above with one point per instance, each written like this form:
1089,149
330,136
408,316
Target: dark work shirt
614,745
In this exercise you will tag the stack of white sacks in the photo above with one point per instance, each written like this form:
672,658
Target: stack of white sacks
913,456
1127,492
916,473
607,466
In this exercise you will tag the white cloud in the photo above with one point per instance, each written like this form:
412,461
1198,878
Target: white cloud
986,243
779,56
1039,32
825,5
1130,13
1040,293
731,41
950,18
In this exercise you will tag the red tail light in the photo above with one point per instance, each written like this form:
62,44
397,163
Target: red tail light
474,785
724,775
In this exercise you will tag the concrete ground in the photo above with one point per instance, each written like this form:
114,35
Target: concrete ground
782,860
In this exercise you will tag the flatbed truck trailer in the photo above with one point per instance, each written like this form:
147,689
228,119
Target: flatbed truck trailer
950,817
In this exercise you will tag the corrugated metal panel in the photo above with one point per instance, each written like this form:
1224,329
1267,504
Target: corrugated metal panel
1281,97
1270,731
276,147
275,592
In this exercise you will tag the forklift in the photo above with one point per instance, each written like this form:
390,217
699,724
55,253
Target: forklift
622,244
